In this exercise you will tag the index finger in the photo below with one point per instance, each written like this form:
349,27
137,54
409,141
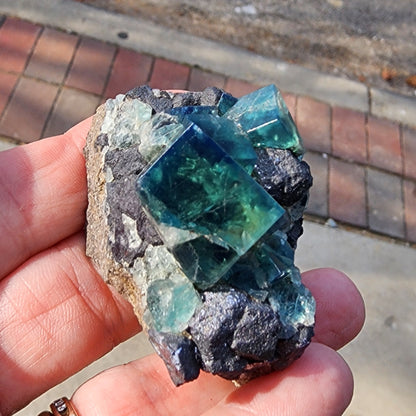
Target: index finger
42,195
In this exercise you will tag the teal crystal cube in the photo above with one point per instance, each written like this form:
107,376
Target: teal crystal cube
263,115
218,210
226,134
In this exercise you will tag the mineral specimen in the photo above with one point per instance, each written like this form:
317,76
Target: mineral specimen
195,207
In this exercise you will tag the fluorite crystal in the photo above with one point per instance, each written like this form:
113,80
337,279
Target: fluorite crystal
195,208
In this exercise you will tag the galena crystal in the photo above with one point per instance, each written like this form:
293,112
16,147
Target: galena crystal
195,208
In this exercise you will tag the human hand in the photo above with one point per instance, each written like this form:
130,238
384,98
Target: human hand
57,315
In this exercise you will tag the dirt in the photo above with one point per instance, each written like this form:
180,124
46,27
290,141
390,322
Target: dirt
373,42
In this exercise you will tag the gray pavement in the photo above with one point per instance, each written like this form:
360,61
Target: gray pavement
382,357
355,39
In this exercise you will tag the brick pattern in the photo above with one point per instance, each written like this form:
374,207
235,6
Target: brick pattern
318,198
199,80
90,68
314,124
364,168
384,145
71,107
291,103
16,42
169,75
409,189
409,152
238,87
385,204
347,200
129,70
51,57
7,83
349,135
27,113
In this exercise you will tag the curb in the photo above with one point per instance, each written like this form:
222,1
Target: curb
228,60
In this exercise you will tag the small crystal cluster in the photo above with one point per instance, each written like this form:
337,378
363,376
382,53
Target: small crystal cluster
203,197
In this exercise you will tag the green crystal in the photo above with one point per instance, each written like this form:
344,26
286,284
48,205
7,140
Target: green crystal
225,103
157,134
195,186
203,261
263,115
293,301
225,133
171,304
124,116
268,261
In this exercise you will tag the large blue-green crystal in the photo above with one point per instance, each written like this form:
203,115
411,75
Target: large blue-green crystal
198,188
225,133
263,115
193,109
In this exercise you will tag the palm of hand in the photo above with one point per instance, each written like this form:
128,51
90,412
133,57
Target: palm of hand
57,315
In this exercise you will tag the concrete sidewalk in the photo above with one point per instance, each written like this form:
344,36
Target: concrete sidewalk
59,60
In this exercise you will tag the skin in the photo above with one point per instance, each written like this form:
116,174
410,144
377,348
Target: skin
57,315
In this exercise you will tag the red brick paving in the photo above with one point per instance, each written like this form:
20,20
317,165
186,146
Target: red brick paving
385,203
130,69
91,66
291,103
409,189
318,198
314,124
7,83
16,42
238,87
71,107
347,193
384,146
409,152
349,135
28,110
51,56
338,139
200,79
169,75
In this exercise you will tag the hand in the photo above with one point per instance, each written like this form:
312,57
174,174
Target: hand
57,315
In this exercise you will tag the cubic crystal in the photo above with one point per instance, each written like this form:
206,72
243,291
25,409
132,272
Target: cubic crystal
263,115
197,187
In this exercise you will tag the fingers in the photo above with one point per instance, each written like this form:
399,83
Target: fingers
340,311
42,195
57,316
318,384
143,387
